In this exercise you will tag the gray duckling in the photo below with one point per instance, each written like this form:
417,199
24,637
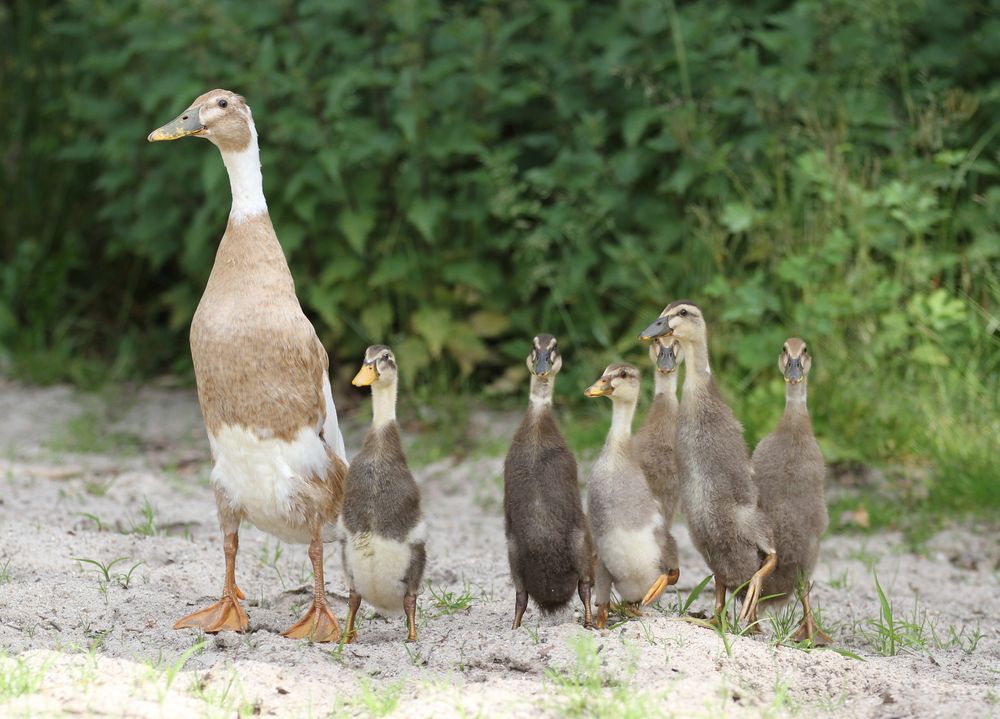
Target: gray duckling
381,522
718,493
635,550
657,438
789,471
549,545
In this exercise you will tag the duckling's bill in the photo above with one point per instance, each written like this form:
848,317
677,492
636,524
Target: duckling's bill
187,123
666,359
659,328
600,388
365,376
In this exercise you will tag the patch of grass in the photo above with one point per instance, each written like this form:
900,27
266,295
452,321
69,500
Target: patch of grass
448,602
18,677
146,527
5,572
376,699
586,690
104,571
89,433
269,557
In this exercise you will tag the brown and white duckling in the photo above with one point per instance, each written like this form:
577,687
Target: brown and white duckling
549,545
278,457
657,438
718,494
790,471
635,550
381,523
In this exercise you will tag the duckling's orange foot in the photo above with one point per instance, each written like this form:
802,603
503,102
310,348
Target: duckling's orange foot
602,616
226,615
632,609
661,583
808,630
318,625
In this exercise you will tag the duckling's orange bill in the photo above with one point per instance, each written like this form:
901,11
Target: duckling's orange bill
600,388
188,123
365,376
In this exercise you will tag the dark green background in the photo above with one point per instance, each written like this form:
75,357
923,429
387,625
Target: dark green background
452,177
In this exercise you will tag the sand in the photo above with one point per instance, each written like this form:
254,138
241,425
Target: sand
126,477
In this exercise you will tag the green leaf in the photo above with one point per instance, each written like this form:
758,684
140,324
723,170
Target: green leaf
433,325
356,227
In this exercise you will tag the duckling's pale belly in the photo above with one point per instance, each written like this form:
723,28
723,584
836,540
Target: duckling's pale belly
377,566
273,483
632,556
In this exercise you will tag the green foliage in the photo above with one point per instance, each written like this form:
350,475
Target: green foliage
454,177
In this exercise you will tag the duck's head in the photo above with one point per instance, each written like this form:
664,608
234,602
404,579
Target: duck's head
378,369
544,361
794,360
666,354
682,319
219,116
620,381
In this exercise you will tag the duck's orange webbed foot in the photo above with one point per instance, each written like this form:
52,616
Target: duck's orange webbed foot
226,615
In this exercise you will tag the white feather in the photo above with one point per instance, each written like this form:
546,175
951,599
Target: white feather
632,556
377,566
331,427
262,477
245,180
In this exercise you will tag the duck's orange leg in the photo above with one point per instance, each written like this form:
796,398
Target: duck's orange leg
226,614
318,624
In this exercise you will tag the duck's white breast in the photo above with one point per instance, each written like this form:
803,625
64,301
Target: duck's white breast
378,567
633,558
268,479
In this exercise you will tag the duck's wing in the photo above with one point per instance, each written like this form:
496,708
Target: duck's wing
332,435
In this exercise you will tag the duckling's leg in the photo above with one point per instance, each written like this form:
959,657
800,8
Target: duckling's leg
583,589
226,614
756,582
353,604
808,629
520,604
718,618
410,607
602,585
318,624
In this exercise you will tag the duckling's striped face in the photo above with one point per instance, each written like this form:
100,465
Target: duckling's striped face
220,116
682,319
619,381
666,354
379,367
544,360
794,360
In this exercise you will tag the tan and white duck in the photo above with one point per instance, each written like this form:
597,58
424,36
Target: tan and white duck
278,459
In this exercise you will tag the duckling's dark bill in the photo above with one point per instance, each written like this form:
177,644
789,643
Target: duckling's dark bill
188,123
659,328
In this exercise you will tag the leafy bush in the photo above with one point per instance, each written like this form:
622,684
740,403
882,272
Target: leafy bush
453,177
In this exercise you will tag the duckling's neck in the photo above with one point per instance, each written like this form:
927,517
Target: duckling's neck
795,398
383,404
666,385
622,412
541,392
245,180
698,373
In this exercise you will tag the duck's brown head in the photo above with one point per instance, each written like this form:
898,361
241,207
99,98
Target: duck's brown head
619,381
544,360
220,116
682,319
378,369
794,360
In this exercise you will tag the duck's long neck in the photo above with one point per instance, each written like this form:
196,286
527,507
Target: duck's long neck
622,412
666,386
541,392
698,374
245,180
383,404
795,399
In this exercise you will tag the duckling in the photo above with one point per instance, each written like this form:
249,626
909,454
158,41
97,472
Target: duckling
381,523
656,439
549,544
790,470
278,458
635,550
718,493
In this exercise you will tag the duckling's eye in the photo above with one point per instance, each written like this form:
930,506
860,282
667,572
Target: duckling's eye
684,313
223,103
386,357
623,374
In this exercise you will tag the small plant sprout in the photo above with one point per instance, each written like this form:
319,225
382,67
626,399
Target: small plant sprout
450,602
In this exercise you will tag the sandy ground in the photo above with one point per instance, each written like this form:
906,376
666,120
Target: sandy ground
126,478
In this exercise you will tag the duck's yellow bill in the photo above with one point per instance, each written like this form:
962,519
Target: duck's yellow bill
600,388
189,123
365,376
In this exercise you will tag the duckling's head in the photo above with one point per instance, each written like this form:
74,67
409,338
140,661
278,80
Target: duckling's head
620,381
378,369
794,360
219,116
544,361
666,354
682,319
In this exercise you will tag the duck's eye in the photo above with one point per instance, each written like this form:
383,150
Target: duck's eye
386,357
623,374
223,103
684,313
